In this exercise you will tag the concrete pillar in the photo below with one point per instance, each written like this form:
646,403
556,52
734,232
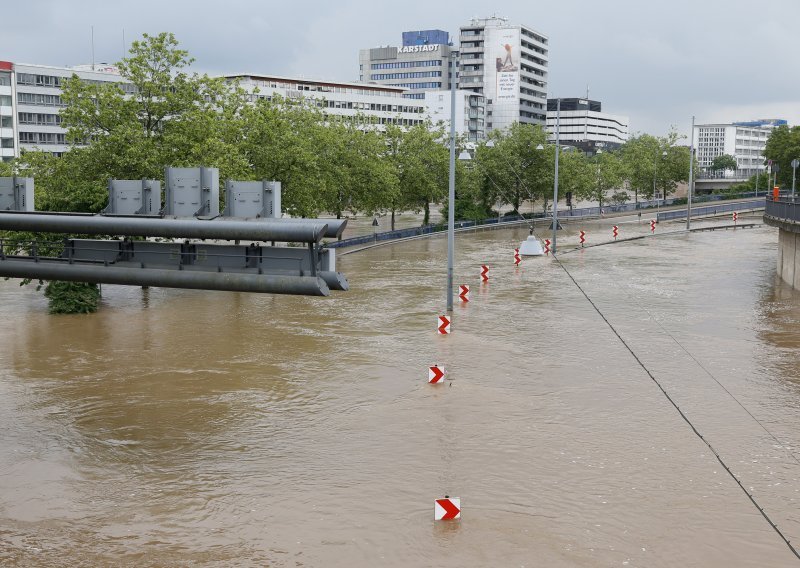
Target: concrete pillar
795,281
789,257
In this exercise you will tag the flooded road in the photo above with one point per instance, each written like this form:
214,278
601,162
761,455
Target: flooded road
186,428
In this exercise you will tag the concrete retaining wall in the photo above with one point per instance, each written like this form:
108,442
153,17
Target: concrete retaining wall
789,257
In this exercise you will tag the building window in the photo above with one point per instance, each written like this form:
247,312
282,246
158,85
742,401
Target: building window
6,142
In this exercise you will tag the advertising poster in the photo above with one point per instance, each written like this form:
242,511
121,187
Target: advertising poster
506,58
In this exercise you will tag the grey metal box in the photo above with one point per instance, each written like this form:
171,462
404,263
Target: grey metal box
254,199
133,197
16,194
192,192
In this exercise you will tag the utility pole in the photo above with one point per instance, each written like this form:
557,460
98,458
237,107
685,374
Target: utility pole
691,181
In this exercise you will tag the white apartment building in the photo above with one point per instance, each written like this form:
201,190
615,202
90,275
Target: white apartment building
469,112
583,124
745,141
30,104
373,106
508,64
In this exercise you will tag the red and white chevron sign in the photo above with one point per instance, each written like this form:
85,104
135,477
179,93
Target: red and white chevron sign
616,232
547,246
517,257
435,374
652,225
484,273
463,293
735,216
447,509
583,237
444,325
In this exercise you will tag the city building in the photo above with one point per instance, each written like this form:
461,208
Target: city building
583,124
422,63
30,104
745,141
507,64
372,106
469,112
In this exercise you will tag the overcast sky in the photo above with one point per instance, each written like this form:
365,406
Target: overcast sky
657,62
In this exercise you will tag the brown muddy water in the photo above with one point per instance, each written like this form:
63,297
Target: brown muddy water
187,428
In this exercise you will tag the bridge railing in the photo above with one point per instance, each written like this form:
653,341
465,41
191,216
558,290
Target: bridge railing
785,208
563,213
715,209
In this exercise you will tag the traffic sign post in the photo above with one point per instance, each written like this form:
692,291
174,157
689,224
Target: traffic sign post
547,246
517,257
463,293
435,374
615,230
447,509
652,225
444,325
583,237
484,273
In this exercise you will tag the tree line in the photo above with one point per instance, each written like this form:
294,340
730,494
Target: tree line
326,163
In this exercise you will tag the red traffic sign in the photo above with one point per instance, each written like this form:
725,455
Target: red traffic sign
735,216
435,374
616,232
652,225
444,325
484,273
447,509
583,237
517,257
547,246
463,292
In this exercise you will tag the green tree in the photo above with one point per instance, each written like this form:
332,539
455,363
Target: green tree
783,146
723,162
516,165
655,164
608,173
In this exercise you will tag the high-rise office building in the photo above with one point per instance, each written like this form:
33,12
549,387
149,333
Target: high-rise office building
507,64
583,124
422,63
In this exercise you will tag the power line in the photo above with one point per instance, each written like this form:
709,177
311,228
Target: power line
682,414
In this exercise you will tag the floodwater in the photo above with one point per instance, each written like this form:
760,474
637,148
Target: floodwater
187,428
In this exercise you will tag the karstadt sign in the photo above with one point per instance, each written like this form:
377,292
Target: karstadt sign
417,48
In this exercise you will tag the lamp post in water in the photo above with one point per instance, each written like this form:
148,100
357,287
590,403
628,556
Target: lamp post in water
451,196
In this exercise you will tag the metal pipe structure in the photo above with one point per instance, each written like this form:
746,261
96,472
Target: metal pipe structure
223,229
100,274
335,226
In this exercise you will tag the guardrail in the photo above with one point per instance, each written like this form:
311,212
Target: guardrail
785,208
712,209
581,212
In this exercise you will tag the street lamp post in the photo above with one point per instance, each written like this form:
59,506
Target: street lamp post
795,163
655,171
555,181
451,197
691,181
